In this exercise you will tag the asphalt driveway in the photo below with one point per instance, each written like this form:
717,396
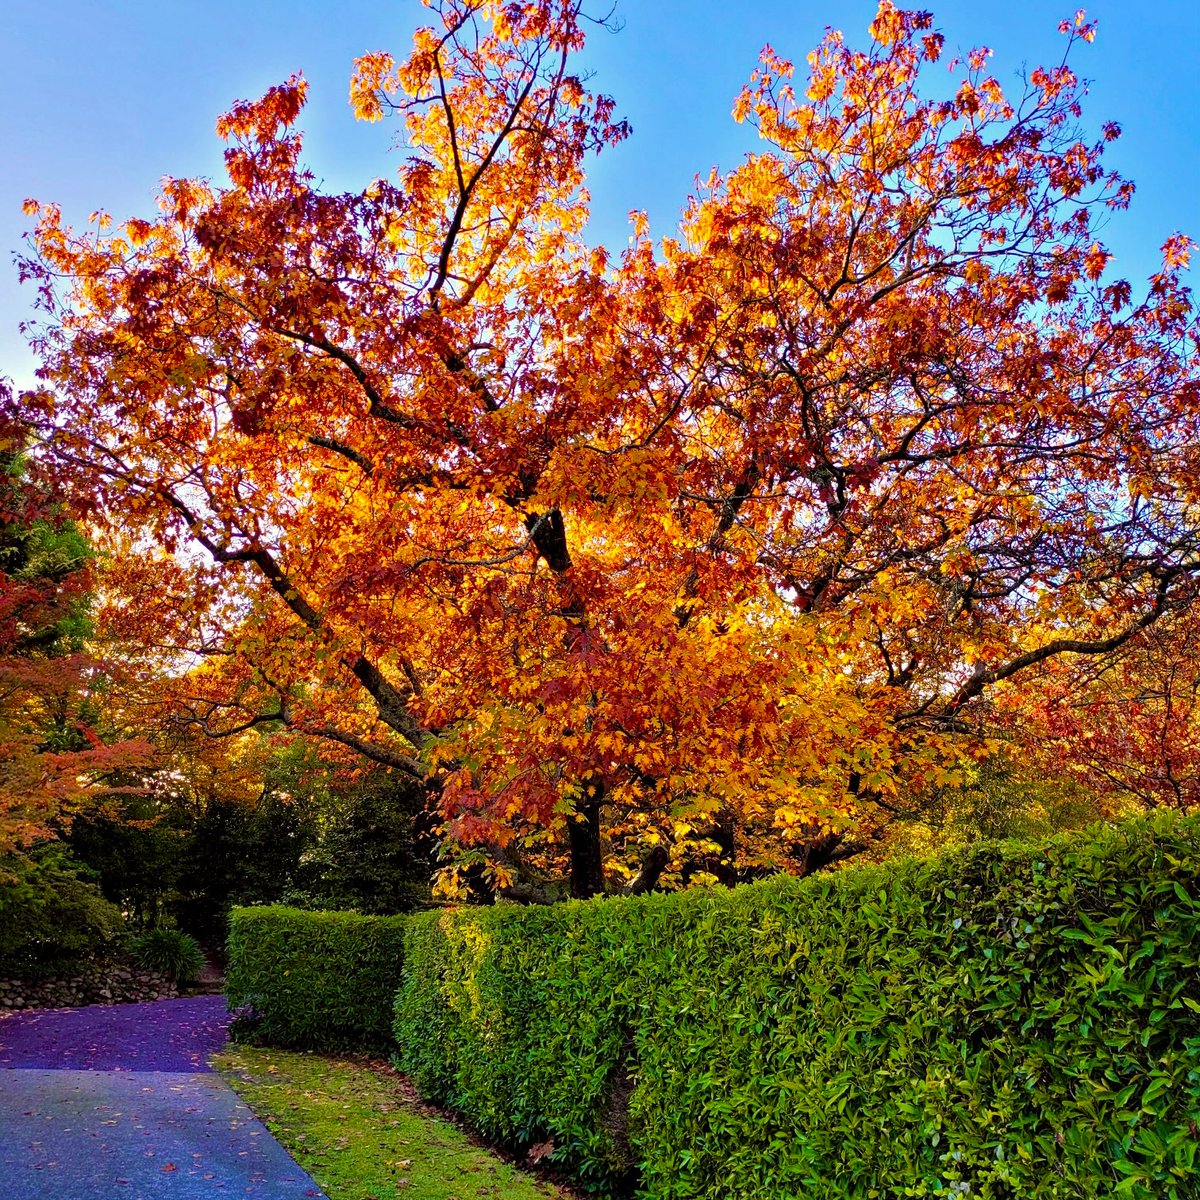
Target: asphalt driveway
119,1102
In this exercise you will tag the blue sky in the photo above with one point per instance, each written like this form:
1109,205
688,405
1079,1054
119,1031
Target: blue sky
102,98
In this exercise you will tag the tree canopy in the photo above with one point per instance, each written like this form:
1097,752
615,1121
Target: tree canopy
715,552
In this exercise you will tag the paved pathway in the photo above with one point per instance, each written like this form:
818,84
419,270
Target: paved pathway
119,1103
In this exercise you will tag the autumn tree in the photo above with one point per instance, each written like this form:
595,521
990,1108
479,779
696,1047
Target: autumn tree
715,553
1125,725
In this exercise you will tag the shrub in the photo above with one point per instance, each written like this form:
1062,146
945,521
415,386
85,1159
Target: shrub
169,952
53,918
1001,1022
319,980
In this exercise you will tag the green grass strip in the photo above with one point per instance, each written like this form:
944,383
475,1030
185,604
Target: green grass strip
361,1137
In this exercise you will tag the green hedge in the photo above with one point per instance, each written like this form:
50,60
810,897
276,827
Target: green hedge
321,980
1004,1022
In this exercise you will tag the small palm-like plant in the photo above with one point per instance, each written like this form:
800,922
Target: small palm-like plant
170,952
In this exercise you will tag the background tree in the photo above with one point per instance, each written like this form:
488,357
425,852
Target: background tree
255,819
372,849
136,851
52,748
1125,724
718,551
193,835
1007,795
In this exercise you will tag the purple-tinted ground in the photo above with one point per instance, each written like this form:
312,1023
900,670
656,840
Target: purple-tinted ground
137,1135
165,1035
119,1103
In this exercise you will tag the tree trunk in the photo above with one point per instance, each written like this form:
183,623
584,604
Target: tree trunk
654,862
587,859
819,853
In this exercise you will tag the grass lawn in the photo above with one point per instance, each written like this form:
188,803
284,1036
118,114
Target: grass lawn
359,1133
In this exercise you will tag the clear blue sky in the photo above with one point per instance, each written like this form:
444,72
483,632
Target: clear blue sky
101,98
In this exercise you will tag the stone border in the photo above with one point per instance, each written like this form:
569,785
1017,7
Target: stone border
110,983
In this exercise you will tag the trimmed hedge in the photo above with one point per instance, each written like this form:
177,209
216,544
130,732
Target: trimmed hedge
1003,1022
317,980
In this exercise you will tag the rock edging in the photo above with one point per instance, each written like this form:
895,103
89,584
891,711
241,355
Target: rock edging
88,985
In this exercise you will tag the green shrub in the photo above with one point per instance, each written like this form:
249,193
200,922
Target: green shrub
1002,1022
53,919
318,980
169,952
